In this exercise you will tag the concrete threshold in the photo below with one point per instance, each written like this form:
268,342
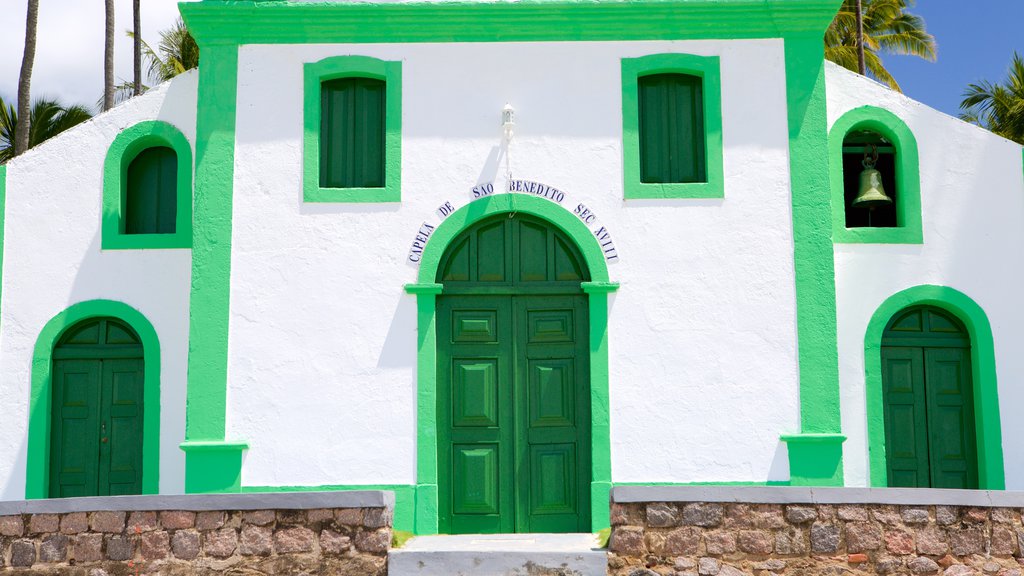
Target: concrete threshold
499,555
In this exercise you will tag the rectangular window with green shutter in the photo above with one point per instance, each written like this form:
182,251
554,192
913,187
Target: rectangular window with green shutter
672,127
352,130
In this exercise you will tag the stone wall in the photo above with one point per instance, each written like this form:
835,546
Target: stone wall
805,532
346,533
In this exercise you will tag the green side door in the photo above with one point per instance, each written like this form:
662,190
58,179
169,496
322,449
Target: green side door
928,402
96,421
513,385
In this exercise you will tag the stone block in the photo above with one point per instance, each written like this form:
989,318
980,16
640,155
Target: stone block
332,542
627,541
825,538
54,548
319,515
801,514
74,523
708,566
87,548
350,516
947,515
755,542
923,565
177,519
773,565
12,526
209,520
683,563
256,541
913,515
888,565
863,536
377,517
706,515
23,553
792,541
888,515
738,516
184,544
853,513
728,570
295,539
374,542
719,543
43,523
858,558
899,542
119,548
258,517
156,545
107,522
662,515
655,540
685,540
975,515
931,540
142,521
220,543
1006,515
967,541
960,570
621,514
1004,541
769,516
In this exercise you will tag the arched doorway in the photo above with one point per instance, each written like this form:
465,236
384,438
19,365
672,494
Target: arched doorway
96,435
513,382
930,434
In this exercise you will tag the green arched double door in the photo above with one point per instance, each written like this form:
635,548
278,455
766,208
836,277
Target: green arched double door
97,405
513,381
930,436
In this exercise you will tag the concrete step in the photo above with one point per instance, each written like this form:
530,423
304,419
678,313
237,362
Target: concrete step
500,555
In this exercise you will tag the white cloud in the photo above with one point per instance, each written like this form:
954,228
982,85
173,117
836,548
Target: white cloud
69,46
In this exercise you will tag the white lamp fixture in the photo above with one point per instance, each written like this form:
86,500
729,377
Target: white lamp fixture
508,120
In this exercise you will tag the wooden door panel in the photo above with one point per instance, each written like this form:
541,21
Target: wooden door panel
475,392
74,441
121,454
951,418
906,431
552,393
552,479
476,472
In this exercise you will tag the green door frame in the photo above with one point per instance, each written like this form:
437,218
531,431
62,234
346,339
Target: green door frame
991,475
37,473
426,291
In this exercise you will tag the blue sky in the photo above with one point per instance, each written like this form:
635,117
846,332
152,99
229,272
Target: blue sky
976,40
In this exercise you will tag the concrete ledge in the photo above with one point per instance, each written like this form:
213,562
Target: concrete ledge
199,502
803,495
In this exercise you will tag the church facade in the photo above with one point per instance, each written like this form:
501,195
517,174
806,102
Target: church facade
500,257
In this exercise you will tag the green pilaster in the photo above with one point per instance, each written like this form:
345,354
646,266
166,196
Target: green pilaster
212,464
816,454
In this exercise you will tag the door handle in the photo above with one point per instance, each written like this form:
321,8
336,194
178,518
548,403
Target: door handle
104,439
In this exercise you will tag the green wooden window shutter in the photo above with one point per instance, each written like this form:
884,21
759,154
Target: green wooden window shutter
352,133
671,127
152,192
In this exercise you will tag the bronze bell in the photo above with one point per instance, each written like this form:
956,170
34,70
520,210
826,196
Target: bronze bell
872,193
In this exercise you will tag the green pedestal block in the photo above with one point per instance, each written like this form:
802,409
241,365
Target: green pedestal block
213,466
815,459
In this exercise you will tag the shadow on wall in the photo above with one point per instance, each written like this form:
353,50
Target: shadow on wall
400,346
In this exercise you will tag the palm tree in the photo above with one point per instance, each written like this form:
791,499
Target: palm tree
108,58
998,107
21,131
888,27
137,47
176,53
47,119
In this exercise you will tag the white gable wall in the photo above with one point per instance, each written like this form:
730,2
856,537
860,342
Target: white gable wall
52,259
972,201
323,339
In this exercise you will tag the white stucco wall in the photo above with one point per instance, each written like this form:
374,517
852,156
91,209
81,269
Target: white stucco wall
52,259
323,338
972,198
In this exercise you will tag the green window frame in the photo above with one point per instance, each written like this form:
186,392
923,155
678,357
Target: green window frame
123,150
908,228
708,69
334,68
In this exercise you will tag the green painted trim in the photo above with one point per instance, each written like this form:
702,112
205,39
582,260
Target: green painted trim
332,68
813,257
37,473
426,291
128,144
213,466
405,498
331,23
709,69
710,483
991,474
815,459
209,305
908,178
813,438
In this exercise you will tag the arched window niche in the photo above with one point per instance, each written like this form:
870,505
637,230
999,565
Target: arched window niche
865,132
147,189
